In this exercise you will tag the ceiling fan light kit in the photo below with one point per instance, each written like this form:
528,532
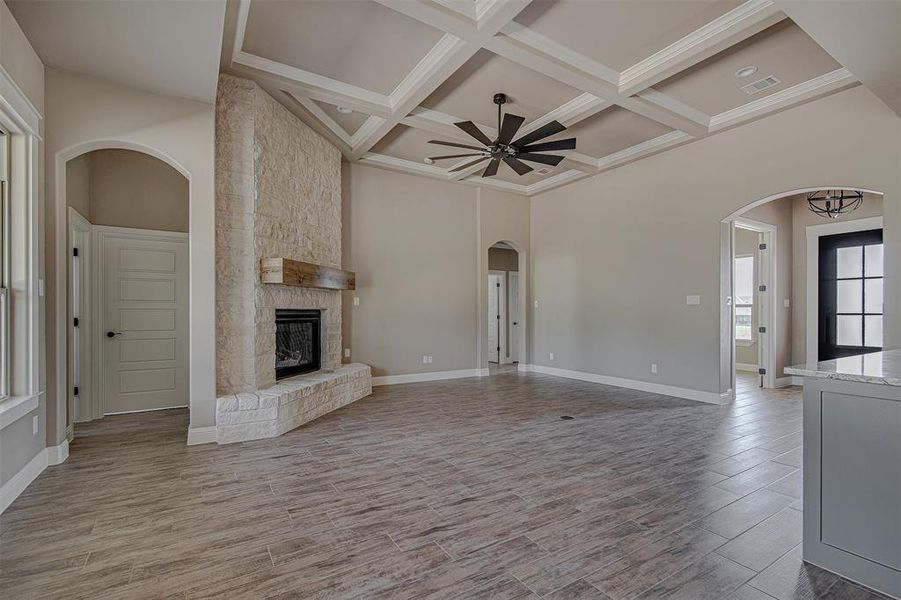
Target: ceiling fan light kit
505,148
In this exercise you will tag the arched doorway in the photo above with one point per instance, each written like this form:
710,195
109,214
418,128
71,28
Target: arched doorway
123,288
779,237
505,332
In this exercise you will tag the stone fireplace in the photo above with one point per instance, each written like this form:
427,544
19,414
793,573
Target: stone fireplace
278,194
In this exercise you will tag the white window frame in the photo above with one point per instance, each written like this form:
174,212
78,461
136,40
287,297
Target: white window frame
21,122
753,339
4,263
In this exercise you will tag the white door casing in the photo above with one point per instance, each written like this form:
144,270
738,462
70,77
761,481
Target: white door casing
143,284
515,323
496,314
80,355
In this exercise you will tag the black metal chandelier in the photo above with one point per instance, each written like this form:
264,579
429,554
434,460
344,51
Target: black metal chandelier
832,203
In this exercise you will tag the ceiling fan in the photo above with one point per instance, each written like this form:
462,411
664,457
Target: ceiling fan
503,149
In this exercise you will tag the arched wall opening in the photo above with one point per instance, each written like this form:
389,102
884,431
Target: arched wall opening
502,341
199,294
786,268
127,274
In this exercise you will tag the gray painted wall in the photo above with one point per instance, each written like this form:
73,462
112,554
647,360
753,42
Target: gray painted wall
615,255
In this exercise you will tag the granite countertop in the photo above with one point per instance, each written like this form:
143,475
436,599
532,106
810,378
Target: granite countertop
883,368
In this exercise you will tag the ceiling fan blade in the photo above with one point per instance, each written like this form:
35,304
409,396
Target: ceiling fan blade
511,125
452,156
491,169
540,133
470,128
455,145
567,144
469,164
547,159
520,167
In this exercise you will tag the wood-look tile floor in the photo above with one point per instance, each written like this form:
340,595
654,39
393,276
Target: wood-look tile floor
460,489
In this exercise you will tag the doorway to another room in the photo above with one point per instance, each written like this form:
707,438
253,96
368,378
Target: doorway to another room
127,280
504,319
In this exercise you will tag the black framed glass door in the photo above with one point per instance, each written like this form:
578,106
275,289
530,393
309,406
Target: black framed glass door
850,294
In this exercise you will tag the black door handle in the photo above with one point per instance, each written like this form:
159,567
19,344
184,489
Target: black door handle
110,334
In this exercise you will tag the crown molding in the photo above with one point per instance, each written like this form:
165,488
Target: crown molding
555,181
824,84
738,24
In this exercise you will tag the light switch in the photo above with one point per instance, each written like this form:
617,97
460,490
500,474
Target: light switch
787,303
425,359
692,299
551,355
536,304
356,301
347,353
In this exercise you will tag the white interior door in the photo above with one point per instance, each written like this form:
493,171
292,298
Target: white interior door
144,320
80,322
494,317
515,326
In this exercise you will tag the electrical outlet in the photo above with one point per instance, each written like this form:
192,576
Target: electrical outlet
34,425
347,353
356,301
787,303
654,368
693,299
551,356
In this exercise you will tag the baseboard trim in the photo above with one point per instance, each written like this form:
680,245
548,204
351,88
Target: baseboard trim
634,384
143,410
202,435
430,376
790,380
745,367
57,455
21,480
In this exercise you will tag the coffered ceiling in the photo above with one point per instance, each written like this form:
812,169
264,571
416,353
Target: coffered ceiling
629,79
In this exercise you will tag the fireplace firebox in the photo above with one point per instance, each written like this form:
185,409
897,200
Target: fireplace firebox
297,341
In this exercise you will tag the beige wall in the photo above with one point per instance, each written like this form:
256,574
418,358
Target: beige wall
648,234
124,188
84,114
746,242
412,243
503,259
132,189
19,59
78,184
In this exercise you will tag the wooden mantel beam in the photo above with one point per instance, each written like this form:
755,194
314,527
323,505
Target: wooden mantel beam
303,274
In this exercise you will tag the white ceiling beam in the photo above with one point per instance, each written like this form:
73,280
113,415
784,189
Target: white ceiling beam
829,83
300,108
303,83
727,30
442,124
451,52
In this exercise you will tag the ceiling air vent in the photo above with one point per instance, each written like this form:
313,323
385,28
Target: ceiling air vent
760,85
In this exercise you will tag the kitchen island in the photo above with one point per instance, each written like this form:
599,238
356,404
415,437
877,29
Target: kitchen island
852,467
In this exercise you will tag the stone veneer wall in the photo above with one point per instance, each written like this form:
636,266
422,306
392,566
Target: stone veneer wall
278,194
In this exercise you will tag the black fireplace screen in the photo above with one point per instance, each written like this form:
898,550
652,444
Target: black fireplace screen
297,345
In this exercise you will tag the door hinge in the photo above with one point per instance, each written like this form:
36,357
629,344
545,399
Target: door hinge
75,390
75,321
761,371
761,330
762,288
762,246
74,251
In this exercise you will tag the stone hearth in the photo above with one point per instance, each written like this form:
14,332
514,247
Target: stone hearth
278,193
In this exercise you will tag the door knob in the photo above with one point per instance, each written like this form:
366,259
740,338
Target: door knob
110,334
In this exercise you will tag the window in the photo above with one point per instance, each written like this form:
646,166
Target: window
4,264
851,276
744,298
